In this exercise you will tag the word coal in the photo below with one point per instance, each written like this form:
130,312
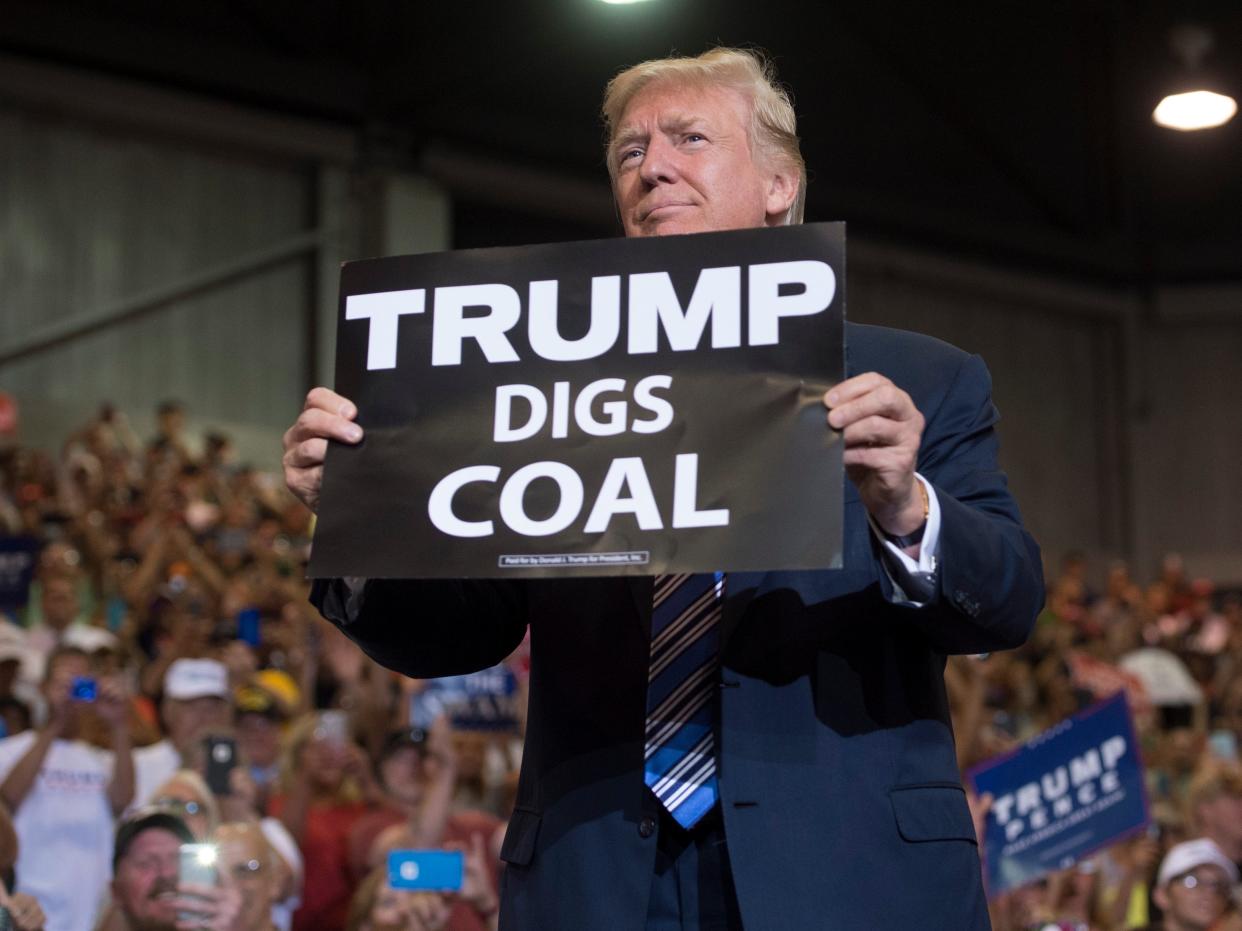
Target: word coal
628,472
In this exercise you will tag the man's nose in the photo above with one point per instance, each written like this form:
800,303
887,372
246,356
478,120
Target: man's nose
659,162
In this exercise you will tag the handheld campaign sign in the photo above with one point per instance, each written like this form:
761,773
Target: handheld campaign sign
613,407
1063,795
18,558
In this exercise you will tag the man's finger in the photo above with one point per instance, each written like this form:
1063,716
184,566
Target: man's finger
885,400
853,387
328,400
874,431
306,455
319,423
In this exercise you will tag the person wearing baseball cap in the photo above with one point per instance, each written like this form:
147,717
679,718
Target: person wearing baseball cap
1193,885
145,883
196,698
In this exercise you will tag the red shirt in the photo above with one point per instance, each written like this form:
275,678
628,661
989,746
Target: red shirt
458,832
328,883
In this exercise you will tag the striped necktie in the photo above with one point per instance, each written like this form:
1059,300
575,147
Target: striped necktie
682,694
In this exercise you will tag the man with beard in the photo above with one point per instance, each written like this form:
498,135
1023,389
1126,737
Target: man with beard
146,865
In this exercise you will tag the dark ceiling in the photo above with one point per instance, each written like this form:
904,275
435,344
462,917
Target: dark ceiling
1012,131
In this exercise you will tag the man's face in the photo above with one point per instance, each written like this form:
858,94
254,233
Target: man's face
60,602
1221,819
1195,909
259,737
189,717
684,164
401,773
146,880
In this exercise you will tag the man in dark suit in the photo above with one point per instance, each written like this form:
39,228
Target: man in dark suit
830,792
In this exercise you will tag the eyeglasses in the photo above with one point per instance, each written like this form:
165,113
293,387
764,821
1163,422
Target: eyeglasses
1191,881
185,807
248,869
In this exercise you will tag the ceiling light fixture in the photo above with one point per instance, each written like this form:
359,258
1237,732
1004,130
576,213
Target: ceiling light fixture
1199,108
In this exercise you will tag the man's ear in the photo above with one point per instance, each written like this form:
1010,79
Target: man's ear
782,192
1160,896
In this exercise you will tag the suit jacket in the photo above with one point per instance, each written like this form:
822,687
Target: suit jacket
840,793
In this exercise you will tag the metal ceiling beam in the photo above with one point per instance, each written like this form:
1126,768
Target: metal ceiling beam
138,305
92,97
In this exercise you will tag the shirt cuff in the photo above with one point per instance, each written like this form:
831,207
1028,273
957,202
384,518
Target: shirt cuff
899,566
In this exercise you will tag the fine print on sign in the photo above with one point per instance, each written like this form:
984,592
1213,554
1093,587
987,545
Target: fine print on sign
611,407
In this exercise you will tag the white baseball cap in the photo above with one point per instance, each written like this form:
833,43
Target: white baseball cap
196,678
1186,856
89,639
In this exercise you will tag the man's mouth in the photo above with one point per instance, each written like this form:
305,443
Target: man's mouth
660,209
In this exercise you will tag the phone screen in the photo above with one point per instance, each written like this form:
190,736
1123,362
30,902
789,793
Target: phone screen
437,870
333,727
248,626
197,866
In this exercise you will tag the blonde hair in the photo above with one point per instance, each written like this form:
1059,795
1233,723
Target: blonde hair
299,733
773,123
198,786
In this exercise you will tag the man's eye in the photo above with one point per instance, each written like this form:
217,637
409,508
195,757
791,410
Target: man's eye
695,137
627,154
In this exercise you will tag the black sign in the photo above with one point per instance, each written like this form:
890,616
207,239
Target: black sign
612,407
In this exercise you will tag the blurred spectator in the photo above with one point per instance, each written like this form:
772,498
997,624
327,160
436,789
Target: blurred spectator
1214,801
247,861
65,792
264,706
186,795
376,906
61,612
239,805
146,886
327,786
196,697
1194,886
24,910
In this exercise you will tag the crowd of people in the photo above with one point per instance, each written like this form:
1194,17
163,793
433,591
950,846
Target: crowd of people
164,682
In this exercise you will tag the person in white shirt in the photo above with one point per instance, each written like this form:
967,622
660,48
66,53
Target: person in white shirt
196,698
65,793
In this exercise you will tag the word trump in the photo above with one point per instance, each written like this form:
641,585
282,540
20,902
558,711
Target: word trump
774,290
1056,794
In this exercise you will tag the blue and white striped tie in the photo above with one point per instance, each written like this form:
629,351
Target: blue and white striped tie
682,694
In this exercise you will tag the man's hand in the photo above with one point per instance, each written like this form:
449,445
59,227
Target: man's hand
326,415
882,429
217,907
112,703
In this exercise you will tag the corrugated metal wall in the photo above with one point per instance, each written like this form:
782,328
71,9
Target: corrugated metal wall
91,219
